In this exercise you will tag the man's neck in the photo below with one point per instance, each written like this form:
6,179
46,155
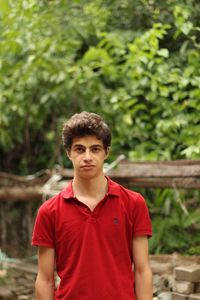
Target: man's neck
90,187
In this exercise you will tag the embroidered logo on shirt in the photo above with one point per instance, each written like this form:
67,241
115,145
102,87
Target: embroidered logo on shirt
116,221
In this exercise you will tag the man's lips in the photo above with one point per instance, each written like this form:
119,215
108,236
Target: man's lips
87,166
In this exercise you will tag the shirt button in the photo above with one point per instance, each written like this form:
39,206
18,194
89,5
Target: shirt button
93,220
86,209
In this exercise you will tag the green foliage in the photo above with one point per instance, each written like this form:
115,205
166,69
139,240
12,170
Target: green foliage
174,220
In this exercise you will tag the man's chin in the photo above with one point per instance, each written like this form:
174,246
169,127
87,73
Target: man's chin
92,174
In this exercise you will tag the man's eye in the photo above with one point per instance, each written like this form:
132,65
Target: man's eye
79,150
95,150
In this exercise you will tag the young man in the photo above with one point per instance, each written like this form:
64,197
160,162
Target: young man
94,230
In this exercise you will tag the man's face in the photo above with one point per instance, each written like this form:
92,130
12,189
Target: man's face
87,155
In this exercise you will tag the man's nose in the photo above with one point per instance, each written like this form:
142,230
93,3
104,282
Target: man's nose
87,155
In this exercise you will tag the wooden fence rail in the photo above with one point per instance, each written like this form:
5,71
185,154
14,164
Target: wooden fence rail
168,174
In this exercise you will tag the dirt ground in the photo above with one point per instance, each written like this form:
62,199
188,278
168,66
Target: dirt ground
17,281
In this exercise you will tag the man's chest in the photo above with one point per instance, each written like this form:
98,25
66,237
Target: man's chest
77,224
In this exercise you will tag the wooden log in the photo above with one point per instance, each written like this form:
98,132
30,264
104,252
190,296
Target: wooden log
166,174
179,183
3,225
7,179
128,169
35,193
21,193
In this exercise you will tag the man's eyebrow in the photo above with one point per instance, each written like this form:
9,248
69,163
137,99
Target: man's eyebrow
96,145
78,145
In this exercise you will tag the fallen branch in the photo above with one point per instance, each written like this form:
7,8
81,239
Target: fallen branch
171,174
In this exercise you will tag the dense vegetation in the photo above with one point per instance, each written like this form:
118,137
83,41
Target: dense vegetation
137,63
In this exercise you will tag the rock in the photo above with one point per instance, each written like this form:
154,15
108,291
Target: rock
197,287
5,293
184,287
165,296
177,296
194,297
161,268
190,273
162,283
3,273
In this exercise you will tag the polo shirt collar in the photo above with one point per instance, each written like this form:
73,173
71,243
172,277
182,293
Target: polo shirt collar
113,189
67,192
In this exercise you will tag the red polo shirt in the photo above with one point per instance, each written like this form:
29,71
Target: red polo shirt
93,248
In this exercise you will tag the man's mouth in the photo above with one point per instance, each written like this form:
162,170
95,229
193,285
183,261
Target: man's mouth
87,167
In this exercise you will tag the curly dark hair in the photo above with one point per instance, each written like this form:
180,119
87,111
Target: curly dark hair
83,124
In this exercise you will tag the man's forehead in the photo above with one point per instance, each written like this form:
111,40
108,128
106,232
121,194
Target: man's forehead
87,141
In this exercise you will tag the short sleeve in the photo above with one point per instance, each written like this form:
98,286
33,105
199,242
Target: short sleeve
43,231
141,219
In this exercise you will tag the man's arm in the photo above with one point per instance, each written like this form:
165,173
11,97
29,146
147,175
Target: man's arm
142,270
45,284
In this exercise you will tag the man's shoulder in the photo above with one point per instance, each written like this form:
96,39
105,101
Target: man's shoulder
125,192
51,203
130,194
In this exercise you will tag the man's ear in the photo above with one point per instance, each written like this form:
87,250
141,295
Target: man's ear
68,151
107,150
